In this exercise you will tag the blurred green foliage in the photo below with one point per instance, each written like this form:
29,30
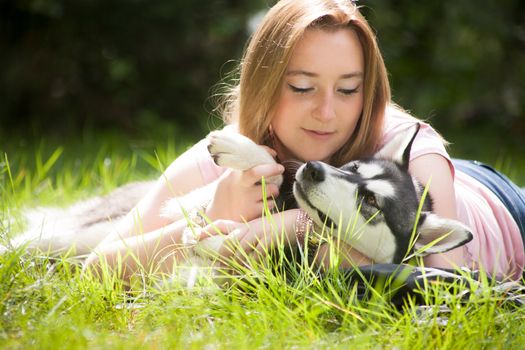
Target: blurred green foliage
71,64
461,61
133,64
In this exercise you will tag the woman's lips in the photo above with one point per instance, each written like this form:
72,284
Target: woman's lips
317,134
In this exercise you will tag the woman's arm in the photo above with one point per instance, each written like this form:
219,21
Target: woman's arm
144,237
159,250
180,178
149,239
155,251
435,169
347,256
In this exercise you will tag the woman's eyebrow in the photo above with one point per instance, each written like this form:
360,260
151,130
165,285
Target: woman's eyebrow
301,72
352,75
296,72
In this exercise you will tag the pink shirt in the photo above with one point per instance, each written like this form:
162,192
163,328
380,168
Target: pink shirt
497,246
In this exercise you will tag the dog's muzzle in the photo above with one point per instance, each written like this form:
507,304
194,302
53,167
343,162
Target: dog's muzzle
312,171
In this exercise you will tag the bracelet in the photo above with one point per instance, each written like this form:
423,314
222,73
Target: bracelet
198,215
306,236
303,225
196,219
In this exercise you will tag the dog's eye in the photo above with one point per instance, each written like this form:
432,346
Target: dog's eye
354,166
370,199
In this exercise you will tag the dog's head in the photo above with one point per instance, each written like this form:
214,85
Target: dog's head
374,204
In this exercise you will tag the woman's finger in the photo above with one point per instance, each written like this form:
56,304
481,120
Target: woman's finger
257,210
255,174
270,203
232,243
272,190
218,227
259,245
247,244
271,151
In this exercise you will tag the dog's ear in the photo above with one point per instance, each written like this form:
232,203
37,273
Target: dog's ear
398,149
438,235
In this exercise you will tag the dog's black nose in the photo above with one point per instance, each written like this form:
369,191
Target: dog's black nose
314,171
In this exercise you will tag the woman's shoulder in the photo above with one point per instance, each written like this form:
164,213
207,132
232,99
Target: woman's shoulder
397,119
428,140
207,167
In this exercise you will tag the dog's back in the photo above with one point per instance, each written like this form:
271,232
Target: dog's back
79,228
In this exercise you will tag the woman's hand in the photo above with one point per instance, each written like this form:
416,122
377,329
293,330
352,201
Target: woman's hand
239,194
252,239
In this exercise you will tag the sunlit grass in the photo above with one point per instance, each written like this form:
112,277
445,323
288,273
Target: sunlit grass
47,304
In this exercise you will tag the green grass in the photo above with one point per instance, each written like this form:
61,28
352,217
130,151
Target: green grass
50,305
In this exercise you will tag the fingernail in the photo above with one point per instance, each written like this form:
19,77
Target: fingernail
235,233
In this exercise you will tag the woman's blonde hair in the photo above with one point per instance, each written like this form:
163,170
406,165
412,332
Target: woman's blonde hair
264,63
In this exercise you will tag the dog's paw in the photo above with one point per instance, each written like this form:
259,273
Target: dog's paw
233,150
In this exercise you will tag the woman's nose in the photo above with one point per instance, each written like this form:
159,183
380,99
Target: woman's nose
325,109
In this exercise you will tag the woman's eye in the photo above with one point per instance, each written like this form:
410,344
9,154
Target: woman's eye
348,91
299,90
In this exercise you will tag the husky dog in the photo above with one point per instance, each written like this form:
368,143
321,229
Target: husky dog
372,204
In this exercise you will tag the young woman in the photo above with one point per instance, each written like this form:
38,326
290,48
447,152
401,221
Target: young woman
313,86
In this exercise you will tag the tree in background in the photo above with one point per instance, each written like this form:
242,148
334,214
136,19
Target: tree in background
462,61
68,64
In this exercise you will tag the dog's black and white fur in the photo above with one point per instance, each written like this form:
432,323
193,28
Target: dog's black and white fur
375,204
372,204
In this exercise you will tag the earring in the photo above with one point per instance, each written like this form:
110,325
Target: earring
271,136
272,141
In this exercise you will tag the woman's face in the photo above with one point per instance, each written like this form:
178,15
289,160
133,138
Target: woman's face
321,97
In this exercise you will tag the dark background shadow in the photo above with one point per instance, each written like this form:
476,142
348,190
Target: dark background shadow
132,66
